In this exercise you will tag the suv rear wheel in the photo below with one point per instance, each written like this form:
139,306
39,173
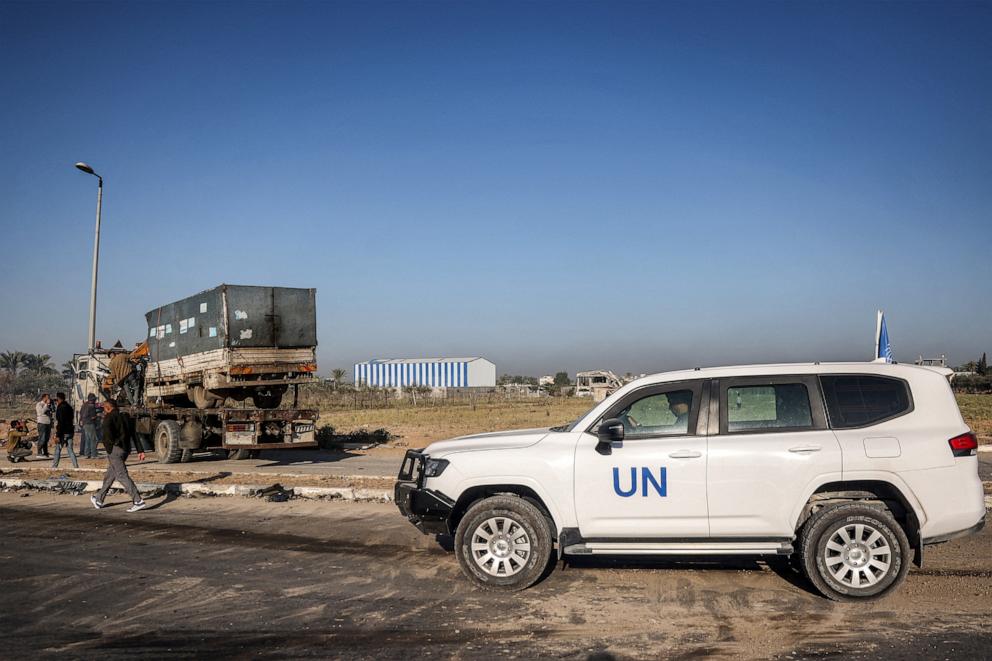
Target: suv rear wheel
854,552
503,543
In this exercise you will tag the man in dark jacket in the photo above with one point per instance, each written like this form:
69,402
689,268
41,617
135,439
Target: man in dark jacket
88,420
117,442
65,429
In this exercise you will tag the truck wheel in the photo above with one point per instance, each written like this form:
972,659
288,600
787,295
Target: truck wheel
167,442
503,543
203,398
854,552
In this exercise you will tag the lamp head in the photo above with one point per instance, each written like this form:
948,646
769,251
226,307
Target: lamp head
87,169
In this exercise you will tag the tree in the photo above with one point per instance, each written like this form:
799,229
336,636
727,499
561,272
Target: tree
338,374
561,382
983,367
38,362
514,378
11,360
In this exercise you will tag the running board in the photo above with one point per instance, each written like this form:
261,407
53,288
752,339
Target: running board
680,548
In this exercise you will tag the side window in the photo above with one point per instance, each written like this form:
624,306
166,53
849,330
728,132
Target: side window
658,415
778,406
857,401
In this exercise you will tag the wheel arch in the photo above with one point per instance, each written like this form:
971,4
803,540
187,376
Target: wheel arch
479,492
897,499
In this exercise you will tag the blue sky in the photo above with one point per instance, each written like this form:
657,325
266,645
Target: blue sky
635,186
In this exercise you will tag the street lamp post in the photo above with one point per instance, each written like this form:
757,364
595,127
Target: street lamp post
96,252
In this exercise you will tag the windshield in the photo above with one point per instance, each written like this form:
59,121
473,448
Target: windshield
570,426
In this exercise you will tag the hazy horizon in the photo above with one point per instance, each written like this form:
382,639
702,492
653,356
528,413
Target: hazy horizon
552,186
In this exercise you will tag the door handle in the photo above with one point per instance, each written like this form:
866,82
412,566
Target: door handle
803,449
685,454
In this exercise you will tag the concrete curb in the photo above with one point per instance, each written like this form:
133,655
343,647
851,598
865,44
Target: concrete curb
204,489
210,473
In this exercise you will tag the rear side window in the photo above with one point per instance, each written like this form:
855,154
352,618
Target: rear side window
779,406
859,400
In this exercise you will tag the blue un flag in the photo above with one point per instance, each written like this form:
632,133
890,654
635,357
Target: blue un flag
884,348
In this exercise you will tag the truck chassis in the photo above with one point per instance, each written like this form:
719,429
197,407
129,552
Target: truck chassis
175,433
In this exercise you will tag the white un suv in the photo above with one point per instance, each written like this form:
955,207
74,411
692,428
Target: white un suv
849,468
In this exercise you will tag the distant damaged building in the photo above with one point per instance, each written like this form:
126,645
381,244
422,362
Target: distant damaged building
598,384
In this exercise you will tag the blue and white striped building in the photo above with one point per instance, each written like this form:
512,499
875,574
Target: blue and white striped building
432,372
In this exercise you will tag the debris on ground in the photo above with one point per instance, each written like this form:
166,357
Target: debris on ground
275,493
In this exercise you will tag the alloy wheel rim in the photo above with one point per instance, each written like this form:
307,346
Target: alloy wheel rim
500,546
857,555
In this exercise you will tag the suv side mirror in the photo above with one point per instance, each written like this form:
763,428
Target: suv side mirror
610,431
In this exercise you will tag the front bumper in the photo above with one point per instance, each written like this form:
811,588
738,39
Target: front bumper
427,509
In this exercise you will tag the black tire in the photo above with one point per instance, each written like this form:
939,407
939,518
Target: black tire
167,442
516,519
268,398
178,401
875,540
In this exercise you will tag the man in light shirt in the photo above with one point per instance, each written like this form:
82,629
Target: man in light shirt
44,420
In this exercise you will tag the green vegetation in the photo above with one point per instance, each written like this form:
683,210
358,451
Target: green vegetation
23,376
977,412
506,379
327,437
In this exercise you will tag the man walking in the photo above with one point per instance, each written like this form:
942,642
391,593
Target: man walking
44,421
87,419
117,442
65,429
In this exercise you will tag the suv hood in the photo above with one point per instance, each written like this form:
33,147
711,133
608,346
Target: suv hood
501,440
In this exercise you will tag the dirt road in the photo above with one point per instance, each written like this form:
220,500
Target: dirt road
238,578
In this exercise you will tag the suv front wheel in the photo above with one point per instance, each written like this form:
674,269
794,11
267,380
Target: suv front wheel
854,552
503,543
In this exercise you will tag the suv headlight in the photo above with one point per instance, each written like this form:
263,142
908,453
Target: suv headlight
434,467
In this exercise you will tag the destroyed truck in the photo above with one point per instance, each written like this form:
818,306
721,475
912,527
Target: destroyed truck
188,386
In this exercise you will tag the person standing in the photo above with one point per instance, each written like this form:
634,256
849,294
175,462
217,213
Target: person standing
117,443
88,421
44,421
65,429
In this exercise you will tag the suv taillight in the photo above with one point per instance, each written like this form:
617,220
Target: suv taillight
964,445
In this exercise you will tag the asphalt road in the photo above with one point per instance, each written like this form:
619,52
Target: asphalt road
345,463
232,578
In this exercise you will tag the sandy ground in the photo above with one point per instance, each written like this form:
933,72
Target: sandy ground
243,579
